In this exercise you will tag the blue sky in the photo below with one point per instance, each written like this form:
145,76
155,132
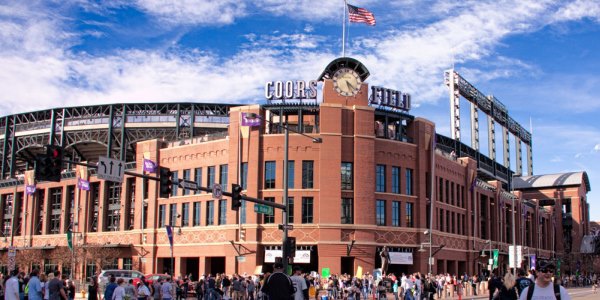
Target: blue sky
540,58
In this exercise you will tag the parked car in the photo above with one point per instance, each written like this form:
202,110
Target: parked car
125,274
150,278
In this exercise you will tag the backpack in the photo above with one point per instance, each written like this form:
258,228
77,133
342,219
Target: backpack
291,288
532,287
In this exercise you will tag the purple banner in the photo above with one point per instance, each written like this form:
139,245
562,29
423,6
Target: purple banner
149,166
170,235
250,122
532,262
83,184
29,189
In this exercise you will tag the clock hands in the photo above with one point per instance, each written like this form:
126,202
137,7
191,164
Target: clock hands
349,85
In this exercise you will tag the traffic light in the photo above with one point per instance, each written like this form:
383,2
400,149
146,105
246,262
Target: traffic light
291,246
236,196
166,182
48,166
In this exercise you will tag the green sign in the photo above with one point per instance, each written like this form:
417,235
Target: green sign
325,272
558,267
70,240
263,209
495,256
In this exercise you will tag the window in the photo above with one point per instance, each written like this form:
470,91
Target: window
223,171
210,212
244,176
95,197
290,174
196,218
307,174
223,212
210,180
40,209
347,211
380,212
409,215
127,263
7,205
173,214
396,180
50,266
307,210
270,175
130,203
409,181
198,178
347,181
162,215
186,176
290,209
268,219
113,213
243,212
185,214
175,186
380,178
55,209
396,213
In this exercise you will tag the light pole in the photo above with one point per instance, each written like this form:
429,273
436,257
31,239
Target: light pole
252,116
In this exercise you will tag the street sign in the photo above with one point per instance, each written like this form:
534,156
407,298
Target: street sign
111,169
217,191
263,209
12,251
188,185
289,227
241,258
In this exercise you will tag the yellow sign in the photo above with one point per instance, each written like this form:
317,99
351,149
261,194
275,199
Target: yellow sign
359,272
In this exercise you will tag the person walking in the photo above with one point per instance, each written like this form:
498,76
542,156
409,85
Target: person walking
522,282
299,284
110,288
35,291
56,288
143,292
544,288
156,289
93,292
508,289
11,291
119,293
167,291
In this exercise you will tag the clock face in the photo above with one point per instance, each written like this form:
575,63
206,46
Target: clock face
346,82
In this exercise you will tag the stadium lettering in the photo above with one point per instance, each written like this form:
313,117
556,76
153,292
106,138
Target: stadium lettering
280,90
391,98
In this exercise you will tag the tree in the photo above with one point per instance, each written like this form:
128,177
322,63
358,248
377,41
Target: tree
27,257
101,255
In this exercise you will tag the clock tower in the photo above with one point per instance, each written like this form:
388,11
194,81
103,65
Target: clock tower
344,82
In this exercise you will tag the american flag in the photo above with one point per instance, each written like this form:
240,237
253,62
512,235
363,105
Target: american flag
360,15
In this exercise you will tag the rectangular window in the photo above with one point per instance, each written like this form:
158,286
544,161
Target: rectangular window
409,181
40,211
396,213
186,176
396,180
162,215
290,174
198,178
196,219
268,219
222,212
243,209
185,214
223,171
307,210
7,213
95,197
409,215
307,174
175,190
210,180
270,174
290,210
173,214
380,212
130,209
210,212
127,263
244,176
347,211
380,178
113,212
55,209
347,176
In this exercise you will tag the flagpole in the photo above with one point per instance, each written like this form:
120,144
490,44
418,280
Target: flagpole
344,30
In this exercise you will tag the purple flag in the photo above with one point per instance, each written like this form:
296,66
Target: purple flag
83,184
149,166
252,122
170,235
29,189
532,261
473,184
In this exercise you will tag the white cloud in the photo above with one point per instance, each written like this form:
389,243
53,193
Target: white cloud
577,10
195,11
597,148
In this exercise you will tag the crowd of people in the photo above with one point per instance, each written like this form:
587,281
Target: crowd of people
302,286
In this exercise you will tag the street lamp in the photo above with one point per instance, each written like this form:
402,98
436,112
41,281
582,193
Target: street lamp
253,116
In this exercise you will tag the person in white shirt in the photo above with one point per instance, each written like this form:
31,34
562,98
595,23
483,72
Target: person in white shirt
119,292
299,284
543,289
11,291
166,290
